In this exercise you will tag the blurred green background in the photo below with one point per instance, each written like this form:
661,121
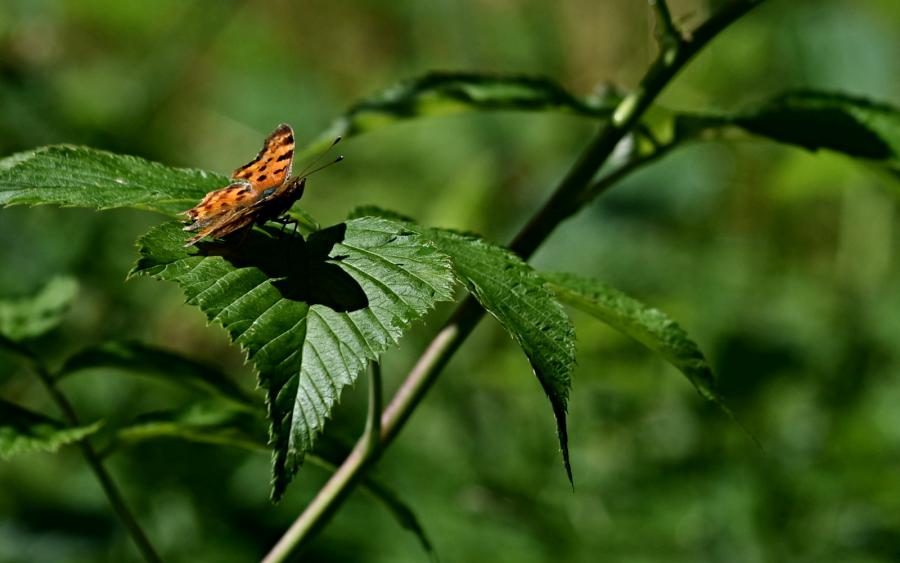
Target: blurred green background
782,264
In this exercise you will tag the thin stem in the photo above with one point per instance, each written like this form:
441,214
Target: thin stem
94,461
372,433
341,483
666,32
574,191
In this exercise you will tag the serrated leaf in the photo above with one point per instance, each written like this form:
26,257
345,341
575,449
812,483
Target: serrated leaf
83,177
30,317
136,358
513,293
22,430
445,93
651,327
310,314
208,422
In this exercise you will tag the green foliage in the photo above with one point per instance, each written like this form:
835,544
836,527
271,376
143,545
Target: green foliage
30,317
814,120
309,314
514,294
140,359
83,177
445,93
24,431
651,327
209,422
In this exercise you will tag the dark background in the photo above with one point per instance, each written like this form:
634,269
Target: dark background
782,264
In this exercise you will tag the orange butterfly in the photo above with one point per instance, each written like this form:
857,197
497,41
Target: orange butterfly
262,190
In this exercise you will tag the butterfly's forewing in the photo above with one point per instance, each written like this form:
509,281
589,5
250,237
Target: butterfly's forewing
257,186
218,210
272,166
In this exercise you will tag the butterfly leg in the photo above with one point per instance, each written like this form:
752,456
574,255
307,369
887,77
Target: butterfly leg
286,220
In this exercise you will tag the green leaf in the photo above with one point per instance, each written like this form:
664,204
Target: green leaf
30,317
511,291
445,93
309,314
209,422
851,125
140,359
649,326
83,177
217,423
23,431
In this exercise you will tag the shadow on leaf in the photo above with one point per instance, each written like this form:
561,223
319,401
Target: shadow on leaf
302,270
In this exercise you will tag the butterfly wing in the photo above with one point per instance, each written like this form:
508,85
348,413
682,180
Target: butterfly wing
218,213
272,166
250,196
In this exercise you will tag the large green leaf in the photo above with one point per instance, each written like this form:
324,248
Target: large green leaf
445,93
140,359
23,431
309,314
83,177
30,317
511,291
651,327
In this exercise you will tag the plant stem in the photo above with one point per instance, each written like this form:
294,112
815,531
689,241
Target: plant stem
95,463
666,31
372,433
573,192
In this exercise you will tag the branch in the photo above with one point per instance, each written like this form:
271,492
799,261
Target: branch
372,433
574,191
92,458
666,32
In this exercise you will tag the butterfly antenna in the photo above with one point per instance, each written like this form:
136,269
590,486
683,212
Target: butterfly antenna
324,166
306,169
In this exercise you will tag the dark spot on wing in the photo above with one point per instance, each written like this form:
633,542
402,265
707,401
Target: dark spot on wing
285,156
261,177
279,171
289,139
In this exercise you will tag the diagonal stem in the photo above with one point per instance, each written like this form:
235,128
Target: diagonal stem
573,192
93,460
666,32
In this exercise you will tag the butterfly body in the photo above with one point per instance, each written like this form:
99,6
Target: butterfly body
261,190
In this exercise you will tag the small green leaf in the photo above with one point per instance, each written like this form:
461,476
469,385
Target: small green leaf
444,93
217,423
209,422
83,177
30,317
851,125
23,431
649,326
309,314
511,291
140,359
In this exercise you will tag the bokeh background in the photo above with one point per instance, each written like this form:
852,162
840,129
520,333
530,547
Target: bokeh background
781,263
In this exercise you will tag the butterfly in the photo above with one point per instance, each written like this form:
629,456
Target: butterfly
261,190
